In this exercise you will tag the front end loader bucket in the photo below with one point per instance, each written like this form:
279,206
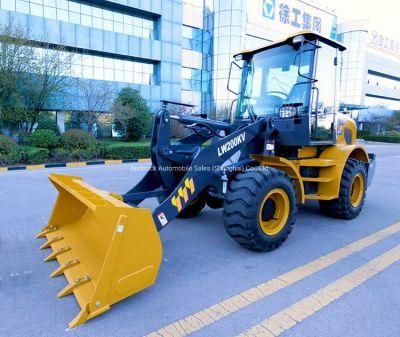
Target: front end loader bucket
106,249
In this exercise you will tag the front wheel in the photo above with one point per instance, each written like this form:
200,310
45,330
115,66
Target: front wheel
351,194
259,208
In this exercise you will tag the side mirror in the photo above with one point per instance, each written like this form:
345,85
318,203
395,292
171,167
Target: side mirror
234,67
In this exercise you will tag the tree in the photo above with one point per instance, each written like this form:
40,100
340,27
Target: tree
178,130
223,112
30,75
379,123
96,97
132,117
15,57
395,120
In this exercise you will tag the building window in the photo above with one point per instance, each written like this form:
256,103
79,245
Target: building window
385,102
194,79
111,69
192,38
103,68
85,15
383,81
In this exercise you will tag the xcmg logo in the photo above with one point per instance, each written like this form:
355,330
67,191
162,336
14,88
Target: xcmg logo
231,144
269,9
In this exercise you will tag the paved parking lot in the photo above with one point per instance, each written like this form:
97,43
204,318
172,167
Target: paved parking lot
208,285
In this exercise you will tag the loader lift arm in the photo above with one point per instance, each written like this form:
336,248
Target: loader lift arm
190,158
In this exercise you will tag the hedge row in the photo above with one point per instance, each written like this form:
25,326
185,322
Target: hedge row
31,155
24,156
385,139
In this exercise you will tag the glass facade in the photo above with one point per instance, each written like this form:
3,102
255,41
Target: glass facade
103,68
85,14
194,79
226,23
192,38
352,73
185,46
112,69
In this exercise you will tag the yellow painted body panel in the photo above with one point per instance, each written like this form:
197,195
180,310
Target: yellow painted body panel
346,130
307,152
287,166
106,249
331,163
340,153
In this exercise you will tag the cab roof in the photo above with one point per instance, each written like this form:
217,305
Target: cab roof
308,34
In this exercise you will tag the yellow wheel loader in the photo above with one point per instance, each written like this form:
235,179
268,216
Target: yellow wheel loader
286,143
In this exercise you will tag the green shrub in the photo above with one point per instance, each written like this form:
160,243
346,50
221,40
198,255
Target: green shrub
363,133
61,155
385,139
77,139
47,121
127,152
392,133
7,145
11,158
46,139
36,156
85,154
22,136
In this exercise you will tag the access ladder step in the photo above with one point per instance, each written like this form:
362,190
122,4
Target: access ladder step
319,197
318,162
317,179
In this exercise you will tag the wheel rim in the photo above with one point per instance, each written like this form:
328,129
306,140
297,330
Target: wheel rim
274,211
357,190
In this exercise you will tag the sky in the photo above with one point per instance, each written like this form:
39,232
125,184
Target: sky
383,14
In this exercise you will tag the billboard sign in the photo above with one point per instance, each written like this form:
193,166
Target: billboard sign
383,43
289,16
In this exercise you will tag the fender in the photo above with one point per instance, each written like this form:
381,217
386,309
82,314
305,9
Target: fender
341,153
288,167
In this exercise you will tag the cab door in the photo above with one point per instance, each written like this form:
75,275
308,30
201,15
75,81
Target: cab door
323,107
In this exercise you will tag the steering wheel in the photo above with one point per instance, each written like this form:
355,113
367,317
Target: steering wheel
274,92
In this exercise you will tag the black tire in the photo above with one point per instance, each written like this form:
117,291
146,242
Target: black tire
246,199
342,207
192,209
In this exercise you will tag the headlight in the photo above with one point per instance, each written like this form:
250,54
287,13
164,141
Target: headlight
287,111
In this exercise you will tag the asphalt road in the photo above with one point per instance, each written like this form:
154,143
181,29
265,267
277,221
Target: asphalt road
202,266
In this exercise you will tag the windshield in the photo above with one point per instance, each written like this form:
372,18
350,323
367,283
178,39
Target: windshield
271,79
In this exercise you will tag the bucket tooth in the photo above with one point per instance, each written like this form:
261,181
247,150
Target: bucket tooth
48,243
53,255
81,318
70,287
46,231
63,267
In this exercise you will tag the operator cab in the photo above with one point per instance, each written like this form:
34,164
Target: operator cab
293,82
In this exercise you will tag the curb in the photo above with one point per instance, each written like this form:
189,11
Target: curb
73,164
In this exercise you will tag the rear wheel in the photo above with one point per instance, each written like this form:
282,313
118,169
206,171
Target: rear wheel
259,208
351,195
